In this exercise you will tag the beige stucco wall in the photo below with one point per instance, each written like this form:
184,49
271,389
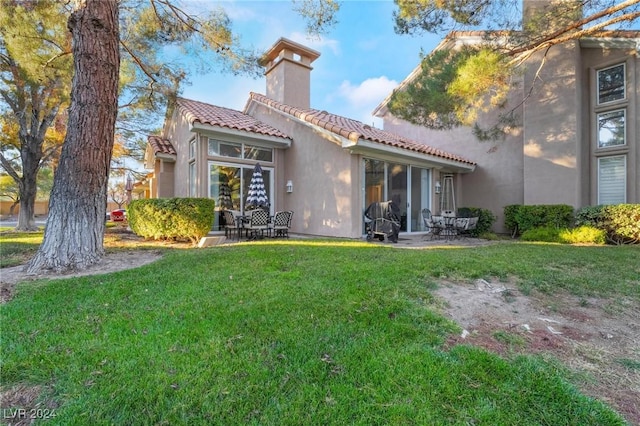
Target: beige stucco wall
177,131
497,180
552,158
326,185
553,128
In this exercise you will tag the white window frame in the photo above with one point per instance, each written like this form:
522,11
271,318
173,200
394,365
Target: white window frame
624,83
624,127
624,179
192,148
213,149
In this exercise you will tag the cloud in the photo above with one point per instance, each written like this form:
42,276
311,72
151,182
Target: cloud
368,93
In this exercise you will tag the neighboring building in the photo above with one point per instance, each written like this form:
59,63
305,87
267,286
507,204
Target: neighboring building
579,140
325,168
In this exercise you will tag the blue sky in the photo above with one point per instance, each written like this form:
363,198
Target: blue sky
361,61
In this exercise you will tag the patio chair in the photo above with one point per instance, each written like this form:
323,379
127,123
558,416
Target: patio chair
231,224
429,224
281,224
258,224
460,224
471,225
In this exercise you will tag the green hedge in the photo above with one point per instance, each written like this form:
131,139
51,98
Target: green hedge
521,218
621,222
171,218
486,219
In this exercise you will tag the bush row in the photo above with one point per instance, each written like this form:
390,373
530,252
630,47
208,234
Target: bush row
519,218
171,218
617,224
621,222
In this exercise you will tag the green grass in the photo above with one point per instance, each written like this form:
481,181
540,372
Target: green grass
18,247
297,332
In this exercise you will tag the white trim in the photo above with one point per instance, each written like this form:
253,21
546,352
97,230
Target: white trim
624,83
624,129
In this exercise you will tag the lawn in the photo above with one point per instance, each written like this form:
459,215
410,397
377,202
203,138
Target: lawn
298,332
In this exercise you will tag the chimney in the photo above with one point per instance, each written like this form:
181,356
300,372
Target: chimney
288,72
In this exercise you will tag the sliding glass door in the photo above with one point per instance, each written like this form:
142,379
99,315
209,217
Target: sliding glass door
407,186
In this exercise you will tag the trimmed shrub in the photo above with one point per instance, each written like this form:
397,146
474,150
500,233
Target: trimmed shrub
171,218
486,219
547,234
510,221
584,234
621,222
521,218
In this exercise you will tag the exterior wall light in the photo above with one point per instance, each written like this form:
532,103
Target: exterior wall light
289,186
438,187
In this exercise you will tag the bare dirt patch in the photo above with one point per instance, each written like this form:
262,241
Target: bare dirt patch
111,262
597,339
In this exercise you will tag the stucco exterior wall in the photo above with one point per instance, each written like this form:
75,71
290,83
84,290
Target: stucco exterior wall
326,196
177,131
553,128
498,178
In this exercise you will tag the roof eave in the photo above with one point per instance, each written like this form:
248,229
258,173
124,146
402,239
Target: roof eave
276,141
363,146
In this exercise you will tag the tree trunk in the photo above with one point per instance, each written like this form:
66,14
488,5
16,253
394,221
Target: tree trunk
74,234
31,156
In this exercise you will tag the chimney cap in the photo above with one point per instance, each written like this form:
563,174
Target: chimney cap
290,45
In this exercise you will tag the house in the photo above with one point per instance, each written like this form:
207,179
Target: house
325,168
579,139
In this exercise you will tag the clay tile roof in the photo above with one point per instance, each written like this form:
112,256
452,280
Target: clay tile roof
224,117
161,145
355,130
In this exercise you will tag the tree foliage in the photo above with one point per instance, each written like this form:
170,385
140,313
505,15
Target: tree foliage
457,84
35,75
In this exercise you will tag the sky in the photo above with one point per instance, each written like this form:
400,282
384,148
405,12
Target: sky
362,59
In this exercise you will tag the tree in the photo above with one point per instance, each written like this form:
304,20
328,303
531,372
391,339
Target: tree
34,83
454,85
75,232
118,193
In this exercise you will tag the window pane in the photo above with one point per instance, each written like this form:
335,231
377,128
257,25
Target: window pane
192,179
225,187
397,190
611,129
230,149
611,84
612,173
192,149
225,149
258,154
213,147
373,181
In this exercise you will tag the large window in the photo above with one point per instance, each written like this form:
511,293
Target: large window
612,172
611,128
229,184
611,84
240,150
